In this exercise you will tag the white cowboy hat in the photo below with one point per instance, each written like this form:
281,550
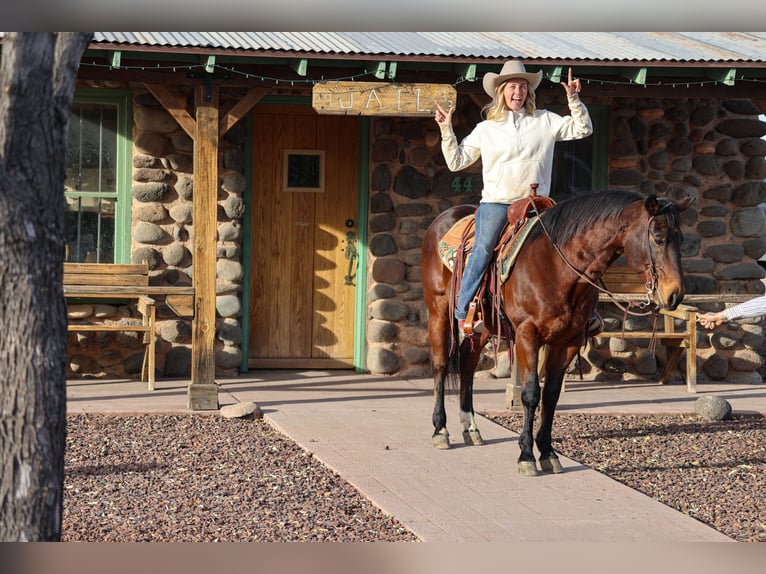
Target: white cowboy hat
512,69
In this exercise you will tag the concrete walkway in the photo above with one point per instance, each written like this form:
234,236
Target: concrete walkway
375,431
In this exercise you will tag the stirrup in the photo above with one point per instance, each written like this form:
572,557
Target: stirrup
469,326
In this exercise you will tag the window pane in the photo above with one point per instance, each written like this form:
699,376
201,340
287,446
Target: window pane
89,224
572,169
91,182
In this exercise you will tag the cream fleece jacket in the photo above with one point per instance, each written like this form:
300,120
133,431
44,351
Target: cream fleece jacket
516,151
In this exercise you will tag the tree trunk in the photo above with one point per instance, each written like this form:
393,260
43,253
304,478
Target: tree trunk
37,80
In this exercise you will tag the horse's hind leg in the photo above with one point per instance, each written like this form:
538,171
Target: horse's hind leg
470,353
438,329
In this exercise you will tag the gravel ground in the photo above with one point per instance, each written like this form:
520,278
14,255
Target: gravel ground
201,478
188,478
712,471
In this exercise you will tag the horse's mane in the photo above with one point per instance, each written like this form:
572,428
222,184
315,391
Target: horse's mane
574,216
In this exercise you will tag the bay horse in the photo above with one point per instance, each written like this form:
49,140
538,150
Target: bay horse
548,299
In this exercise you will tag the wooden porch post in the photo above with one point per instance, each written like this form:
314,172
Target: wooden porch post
203,390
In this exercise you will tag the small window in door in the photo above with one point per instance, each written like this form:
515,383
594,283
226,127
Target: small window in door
303,170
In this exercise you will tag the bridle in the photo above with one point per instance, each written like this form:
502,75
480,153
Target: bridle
650,271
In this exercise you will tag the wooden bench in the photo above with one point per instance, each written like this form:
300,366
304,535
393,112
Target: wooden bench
121,282
627,286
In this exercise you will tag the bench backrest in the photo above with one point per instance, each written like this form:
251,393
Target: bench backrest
112,274
622,279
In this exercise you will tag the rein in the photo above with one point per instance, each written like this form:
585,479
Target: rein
651,272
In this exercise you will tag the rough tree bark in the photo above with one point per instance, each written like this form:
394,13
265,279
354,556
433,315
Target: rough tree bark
37,79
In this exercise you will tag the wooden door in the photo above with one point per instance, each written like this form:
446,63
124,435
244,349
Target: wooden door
301,300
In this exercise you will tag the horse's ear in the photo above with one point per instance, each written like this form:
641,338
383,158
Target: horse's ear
652,205
685,202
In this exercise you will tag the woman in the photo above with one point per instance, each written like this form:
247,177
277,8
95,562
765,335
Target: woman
747,310
515,143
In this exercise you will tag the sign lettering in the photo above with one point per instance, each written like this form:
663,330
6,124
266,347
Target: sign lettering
380,98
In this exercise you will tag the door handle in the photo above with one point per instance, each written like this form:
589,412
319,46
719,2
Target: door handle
350,254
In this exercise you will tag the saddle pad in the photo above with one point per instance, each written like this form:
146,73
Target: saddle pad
450,243
508,253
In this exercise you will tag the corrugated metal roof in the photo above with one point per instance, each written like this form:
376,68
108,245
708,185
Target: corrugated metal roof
670,47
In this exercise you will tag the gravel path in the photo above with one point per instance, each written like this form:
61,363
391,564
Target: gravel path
205,478
712,471
195,478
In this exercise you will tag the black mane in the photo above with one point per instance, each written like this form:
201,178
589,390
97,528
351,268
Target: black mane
574,216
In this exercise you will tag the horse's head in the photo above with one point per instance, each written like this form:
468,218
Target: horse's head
655,249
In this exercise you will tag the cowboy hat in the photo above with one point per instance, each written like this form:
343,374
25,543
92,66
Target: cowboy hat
512,69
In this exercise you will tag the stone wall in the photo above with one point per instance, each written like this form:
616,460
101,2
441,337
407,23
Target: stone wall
162,231
706,148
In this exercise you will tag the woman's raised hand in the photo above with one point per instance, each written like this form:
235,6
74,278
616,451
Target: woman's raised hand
441,116
571,86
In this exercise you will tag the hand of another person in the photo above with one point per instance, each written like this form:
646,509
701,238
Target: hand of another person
441,116
711,320
571,86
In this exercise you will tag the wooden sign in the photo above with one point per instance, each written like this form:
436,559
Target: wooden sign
381,98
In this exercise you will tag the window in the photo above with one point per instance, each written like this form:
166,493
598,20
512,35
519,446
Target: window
303,170
97,186
580,166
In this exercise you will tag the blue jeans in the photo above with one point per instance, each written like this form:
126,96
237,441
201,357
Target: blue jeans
490,220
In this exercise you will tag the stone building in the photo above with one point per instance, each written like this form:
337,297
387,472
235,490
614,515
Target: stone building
326,273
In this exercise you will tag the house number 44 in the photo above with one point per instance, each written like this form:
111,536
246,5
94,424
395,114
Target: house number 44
462,184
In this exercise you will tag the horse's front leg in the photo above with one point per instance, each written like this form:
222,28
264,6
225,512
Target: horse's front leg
438,327
526,349
555,366
470,353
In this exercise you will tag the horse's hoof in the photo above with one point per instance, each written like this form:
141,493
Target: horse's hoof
551,465
527,468
441,441
472,438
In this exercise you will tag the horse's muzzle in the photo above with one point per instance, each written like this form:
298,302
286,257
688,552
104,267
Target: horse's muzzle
673,300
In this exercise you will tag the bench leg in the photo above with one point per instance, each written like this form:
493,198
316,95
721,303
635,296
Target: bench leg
691,366
150,349
148,366
673,355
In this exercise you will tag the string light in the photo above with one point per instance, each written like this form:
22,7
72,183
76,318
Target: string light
354,77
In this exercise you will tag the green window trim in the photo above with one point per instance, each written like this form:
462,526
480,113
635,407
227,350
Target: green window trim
599,115
122,100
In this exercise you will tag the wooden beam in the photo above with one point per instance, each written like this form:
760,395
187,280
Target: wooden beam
240,109
480,102
203,390
175,103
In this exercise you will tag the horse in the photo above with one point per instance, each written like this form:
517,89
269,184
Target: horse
547,299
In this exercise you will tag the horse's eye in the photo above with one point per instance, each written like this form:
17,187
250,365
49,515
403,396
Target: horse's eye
659,238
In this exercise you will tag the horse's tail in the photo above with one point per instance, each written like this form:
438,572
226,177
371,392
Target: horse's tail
453,359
